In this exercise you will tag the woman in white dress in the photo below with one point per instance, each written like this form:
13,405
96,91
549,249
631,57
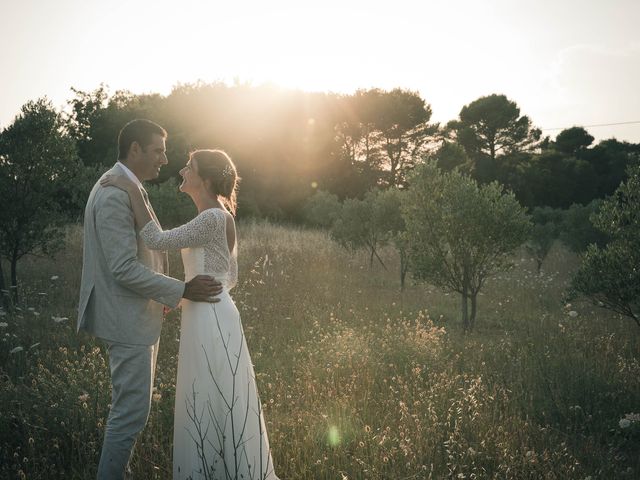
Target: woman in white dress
219,430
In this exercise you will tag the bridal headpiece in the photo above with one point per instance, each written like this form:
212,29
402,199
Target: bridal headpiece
227,171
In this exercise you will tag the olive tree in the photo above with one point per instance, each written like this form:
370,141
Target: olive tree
460,233
39,170
322,209
610,275
358,226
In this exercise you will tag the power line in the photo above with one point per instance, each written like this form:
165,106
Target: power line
596,125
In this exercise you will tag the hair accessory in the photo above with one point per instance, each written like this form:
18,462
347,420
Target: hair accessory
227,171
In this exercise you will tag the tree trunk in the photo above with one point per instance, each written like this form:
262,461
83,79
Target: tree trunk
465,311
14,277
375,254
3,289
465,298
474,304
403,268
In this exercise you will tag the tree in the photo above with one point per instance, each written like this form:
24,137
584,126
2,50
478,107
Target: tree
610,276
491,126
358,226
460,233
383,133
556,180
545,230
451,155
387,210
403,123
572,141
38,169
322,209
371,223
576,229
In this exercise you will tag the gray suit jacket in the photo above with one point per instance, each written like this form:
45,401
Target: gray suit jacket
123,286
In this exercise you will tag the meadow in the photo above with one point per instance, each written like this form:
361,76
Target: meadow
359,380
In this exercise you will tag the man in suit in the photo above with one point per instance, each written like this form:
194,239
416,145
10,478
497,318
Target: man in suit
123,291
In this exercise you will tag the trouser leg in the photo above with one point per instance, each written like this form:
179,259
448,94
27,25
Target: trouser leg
132,371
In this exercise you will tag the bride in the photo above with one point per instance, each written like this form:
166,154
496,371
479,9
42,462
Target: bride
219,430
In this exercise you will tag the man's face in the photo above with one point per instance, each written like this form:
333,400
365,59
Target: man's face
152,158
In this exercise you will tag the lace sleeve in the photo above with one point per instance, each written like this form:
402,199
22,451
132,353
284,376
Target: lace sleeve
195,233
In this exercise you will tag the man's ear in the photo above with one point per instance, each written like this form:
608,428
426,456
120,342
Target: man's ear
135,148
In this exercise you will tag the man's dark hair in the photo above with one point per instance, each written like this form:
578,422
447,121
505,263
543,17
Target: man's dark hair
139,130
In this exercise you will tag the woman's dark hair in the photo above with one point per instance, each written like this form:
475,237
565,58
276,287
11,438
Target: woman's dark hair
140,131
217,167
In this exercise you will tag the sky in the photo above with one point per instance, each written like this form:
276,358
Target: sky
564,62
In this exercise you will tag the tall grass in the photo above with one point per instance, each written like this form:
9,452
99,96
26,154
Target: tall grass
358,379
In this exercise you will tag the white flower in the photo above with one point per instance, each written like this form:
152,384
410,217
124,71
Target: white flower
4,324
573,313
625,423
633,417
84,397
55,277
19,349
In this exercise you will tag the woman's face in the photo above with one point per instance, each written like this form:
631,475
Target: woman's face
191,181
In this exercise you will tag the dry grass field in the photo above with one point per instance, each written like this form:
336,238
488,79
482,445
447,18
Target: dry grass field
358,379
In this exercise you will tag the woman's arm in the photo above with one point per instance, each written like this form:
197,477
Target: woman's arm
196,233
141,212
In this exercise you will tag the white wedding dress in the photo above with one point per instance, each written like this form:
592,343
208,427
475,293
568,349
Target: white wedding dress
219,430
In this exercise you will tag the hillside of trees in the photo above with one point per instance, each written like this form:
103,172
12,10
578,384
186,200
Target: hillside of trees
327,160
288,144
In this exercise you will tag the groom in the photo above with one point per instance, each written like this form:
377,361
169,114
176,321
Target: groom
123,291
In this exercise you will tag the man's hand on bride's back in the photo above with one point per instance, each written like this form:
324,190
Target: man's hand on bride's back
202,288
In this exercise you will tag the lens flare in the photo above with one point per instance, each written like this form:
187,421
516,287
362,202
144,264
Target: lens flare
333,436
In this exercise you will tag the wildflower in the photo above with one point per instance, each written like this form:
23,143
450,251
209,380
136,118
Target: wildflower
633,417
84,397
573,313
156,397
625,423
4,324
16,350
55,277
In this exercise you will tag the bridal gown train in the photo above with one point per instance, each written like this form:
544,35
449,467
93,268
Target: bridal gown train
219,430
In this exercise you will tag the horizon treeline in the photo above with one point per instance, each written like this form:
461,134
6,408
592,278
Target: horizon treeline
289,144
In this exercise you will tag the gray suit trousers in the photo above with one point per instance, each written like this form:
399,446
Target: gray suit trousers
132,372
